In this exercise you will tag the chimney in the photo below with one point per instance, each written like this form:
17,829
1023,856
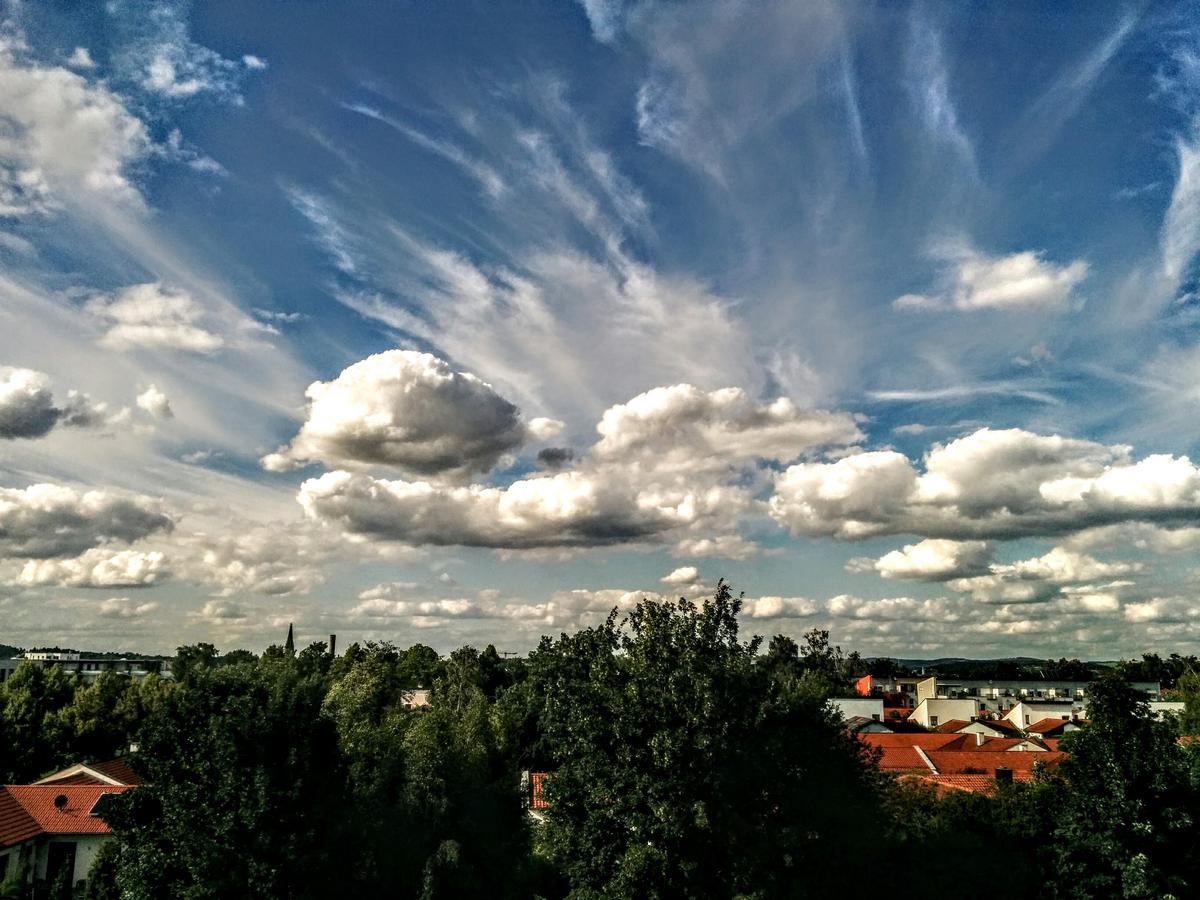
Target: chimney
333,645
979,738
1004,775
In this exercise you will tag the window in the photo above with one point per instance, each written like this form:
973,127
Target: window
933,720
875,716
1027,720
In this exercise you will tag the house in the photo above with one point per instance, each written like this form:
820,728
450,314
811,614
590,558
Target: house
1027,712
1163,708
46,827
863,725
1052,727
995,728
88,668
115,772
932,711
866,707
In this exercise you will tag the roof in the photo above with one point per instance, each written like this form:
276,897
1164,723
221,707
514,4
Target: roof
952,726
114,771
1048,726
27,810
975,784
974,762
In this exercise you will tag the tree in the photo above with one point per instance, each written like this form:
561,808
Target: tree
681,769
249,803
191,658
34,732
1131,807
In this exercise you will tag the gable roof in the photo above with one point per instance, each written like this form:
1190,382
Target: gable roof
952,726
27,810
1048,726
113,771
967,762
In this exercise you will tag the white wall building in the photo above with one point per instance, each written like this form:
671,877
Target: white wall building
934,711
867,707
1029,712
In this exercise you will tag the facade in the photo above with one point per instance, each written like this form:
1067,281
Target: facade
866,707
932,711
45,828
88,668
996,696
1029,712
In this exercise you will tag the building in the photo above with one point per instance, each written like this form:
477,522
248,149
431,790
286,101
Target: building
90,667
45,828
1028,712
864,707
995,696
931,711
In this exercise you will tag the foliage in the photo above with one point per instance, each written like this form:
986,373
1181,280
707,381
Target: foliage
683,769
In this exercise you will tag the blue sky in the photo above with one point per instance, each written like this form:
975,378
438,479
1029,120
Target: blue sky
467,322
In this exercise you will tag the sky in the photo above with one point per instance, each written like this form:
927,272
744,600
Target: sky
469,322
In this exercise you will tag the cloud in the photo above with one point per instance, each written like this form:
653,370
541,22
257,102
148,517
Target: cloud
124,608
1181,226
97,568
569,509
682,577
973,281
160,57
81,58
1039,579
684,427
27,408
990,484
929,90
154,317
410,411
780,607
222,611
555,458
155,402
50,520
65,140
605,18
935,560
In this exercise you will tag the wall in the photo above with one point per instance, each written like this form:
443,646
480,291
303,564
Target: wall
868,708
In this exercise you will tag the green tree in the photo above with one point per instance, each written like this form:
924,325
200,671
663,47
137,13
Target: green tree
1128,816
245,793
192,658
681,769
34,730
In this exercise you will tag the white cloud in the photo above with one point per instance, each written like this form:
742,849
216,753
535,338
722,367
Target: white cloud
929,88
605,18
222,611
973,281
412,411
250,61
682,427
81,58
154,317
780,607
125,608
935,560
989,484
682,577
97,568
65,140
1041,578
48,520
1181,225
27,408
155,402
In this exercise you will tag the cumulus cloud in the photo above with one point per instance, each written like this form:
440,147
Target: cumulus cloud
1041,578
64,139
990,484
411,411
125,608
223,611
154,317
27,408
97,568
569,509
934,559
155,402
682,577
49,520
682,427
779,607
973,280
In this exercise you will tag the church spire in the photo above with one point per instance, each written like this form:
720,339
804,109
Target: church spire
290,643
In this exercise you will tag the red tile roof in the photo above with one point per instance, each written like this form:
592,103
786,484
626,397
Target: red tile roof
983,763
953,726
27,810
976,784
114,771
1048,726
924,740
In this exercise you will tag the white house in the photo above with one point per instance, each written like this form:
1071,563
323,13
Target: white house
932,711
1162,708
1028,712
986,728
866,707
46,827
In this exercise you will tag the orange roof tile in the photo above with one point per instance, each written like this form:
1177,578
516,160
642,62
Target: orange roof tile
953,726
27,810
976,784
983,763
1048,726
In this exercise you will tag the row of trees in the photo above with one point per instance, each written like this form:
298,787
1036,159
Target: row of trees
684,761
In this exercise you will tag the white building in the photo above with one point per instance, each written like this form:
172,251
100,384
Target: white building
866,707
1028,712
44,828
933,711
